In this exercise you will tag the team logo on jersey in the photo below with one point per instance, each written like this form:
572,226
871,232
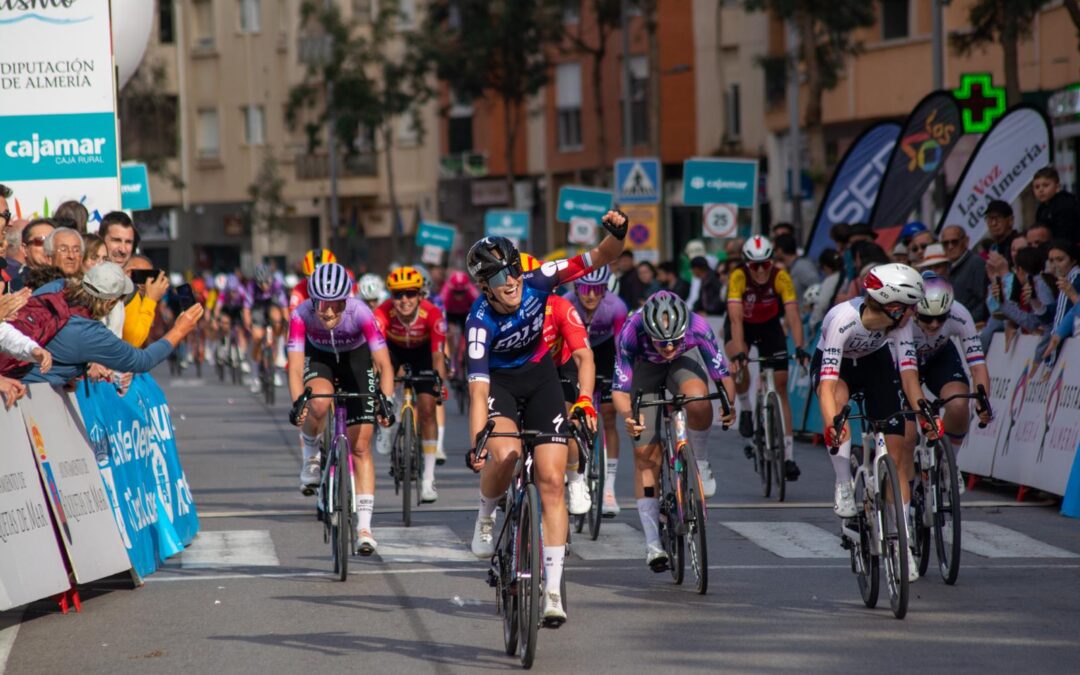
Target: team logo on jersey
552,267
558,422
575,318
477,342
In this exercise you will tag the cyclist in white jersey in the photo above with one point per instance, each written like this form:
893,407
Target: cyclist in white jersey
867,346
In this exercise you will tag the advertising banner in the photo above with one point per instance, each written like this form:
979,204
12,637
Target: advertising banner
583,202
853,188
31,565
1059,432
720,181
513,225
438,235
58,134
76,495
976,455
929,135
1002,165
136,454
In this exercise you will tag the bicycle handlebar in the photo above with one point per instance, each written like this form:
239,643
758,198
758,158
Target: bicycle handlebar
982,402
679,401
480,452
302,401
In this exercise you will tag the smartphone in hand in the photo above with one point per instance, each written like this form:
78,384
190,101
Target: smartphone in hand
185,297
142,276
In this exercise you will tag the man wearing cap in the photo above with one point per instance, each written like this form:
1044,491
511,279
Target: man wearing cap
84,338
910,230
967,272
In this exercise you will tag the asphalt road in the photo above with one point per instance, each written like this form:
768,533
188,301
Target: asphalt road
254,593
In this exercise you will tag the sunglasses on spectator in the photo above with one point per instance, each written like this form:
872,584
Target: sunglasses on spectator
949,243
398,295
664,345
763,265
591,289
924,318
36,241
918,247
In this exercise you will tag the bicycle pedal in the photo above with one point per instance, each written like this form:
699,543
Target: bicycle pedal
492,579
553,622
658,566
748,450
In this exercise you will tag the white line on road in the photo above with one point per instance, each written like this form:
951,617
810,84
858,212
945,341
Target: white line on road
426,544
994,541
231,548
618,541
791,539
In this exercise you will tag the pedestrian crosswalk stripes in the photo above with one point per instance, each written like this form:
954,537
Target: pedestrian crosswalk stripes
617,541
228,548
790,539
422,544
994,541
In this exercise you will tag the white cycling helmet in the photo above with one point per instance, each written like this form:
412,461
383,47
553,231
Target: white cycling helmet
371,287
329,282
221,280
811,295
757,249
937,297
894,282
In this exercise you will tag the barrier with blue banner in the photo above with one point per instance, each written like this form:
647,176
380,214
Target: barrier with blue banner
805,411
135,447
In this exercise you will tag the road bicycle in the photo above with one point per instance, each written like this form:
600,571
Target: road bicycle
767,448
877,536
682,499
336,492
935,497
458,383
228,356
406,461
266,367
593,462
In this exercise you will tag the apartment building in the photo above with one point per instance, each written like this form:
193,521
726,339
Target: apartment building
229,66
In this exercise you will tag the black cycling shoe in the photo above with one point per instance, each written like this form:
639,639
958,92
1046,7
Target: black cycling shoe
791,471
748,450
746,424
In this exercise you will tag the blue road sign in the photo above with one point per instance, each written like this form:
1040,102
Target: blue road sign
134,187
583,202
637,180
439,235
720,181
510,224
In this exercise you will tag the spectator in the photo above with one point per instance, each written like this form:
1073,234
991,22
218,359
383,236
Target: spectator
668,275
919,242
33,239
44,279
710,300
832,266
16,346
1039,234
865,255
910,230
803,272
629,285
733,253
75,212
780,228
85,339
1062,263
94,252
15,254
967,272
899,253
999,222
139,312
63,246
862,232
1057,208
934,260
840,233
119,234
646,274
5,210
1021,297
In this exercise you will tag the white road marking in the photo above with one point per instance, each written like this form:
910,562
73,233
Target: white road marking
7,642
618,541
994,541
790,539
229,548
421,544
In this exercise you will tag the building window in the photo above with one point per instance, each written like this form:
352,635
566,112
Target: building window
895,15
204,25
639,100
209,135
732,112
254,124
460,131
148,126
408,130
571,12
407,9
250,15
166,32
568,105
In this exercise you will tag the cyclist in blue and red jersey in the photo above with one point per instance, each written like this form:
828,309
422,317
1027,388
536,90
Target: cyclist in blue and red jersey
509,360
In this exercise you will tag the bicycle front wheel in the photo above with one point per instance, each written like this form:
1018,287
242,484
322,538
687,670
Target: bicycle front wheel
597,475
761,450
893,536
921,503
775,420
507,590
947,517
408,457
694,515
530,574
341,532
863,562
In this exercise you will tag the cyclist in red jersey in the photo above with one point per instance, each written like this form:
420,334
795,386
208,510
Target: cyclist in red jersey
415,332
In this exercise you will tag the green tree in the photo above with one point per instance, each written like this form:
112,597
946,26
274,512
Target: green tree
1003,22
149,121
496,48
266,215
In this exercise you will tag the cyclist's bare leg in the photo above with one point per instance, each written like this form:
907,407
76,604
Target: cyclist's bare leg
841,461
785,403
549,471
503,454
258,337
425,408
363,465
957,415
901,448
318,408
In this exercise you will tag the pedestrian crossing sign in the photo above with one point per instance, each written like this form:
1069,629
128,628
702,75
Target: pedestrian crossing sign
637,180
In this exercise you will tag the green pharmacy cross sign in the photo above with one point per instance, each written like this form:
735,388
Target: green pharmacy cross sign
980,102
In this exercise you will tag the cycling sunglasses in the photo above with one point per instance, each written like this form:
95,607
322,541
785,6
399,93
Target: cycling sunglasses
763,265
664,345
502,276
590,289
925,318
398,295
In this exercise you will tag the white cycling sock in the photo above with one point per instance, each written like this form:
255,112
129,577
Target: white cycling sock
789,447
744,401
648,509
441,438
429,461
553,566
841,462
609,479
572,476
699,441
365,505
311,446
488,505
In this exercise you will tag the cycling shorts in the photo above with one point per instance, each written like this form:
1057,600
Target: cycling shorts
604,358
235,313
649,377
942,368
260,314
349,372
418,360
457,320
876,377
768,337
537,385
568,378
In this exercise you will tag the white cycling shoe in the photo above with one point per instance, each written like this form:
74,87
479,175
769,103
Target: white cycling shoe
255,385
310,475
365,543
708,481
428,493
610,509
245,367
656,557
844,501
440,456
578,496
483,538
912,568
554,614
382,441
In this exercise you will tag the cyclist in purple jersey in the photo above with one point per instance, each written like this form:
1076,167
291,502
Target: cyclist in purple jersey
264,308
231,310
604,314
635,345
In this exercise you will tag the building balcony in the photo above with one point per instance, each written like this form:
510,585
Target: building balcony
316,166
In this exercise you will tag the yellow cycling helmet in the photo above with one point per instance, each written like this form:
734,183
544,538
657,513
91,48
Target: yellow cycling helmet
528,262
405,279
316,257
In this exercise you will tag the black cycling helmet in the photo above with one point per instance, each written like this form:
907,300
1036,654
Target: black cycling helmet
491,255
666,316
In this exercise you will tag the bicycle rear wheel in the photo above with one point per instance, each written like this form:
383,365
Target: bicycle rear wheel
341,515
508,587
947,518
864,563
764,466
408,455
920,505
694,515
671,536
893,536
268,374
597,474
530,574
776,444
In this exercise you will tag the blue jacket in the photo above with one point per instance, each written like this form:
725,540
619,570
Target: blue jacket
82,341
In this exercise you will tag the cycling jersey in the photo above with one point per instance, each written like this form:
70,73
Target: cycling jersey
235,295
298,295
499,341
428,326
272,295
458,303
356,328
634,344
843,336
761,302
564,331
958,323
607,320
